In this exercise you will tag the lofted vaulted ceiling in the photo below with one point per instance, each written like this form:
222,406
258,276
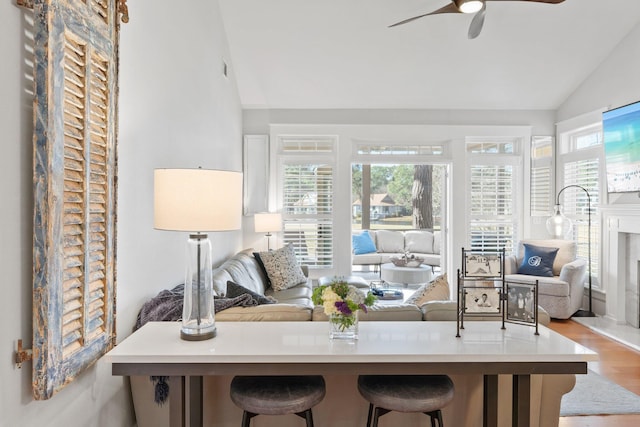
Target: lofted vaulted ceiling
341,53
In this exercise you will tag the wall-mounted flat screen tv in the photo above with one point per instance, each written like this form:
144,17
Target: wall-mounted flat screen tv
621,128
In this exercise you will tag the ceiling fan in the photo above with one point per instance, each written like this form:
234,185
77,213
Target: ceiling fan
469,6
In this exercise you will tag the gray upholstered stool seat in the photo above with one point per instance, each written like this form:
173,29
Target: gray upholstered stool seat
406,393
277,395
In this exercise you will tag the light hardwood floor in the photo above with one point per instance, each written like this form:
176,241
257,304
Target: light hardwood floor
619,363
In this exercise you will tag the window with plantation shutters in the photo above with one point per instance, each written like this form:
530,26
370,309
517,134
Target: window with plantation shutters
306,188
75,188
541,184
580,164
491,197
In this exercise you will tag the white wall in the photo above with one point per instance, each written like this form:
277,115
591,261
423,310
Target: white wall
613,84
541,121
176,110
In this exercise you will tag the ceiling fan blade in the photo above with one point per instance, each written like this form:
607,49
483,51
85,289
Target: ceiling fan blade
477,22
450,8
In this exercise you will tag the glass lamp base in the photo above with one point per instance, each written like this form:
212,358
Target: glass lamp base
198,318
198,336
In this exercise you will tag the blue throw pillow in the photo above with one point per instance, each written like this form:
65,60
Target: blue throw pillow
363,243
537,261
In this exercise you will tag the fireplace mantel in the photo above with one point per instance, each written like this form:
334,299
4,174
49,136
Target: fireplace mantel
619,222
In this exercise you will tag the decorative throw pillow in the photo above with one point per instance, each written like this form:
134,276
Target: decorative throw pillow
363,243
256,255
282,268
234,290
436,290
537,261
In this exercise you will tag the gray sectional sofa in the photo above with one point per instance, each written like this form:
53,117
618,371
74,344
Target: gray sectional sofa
343,406
392,243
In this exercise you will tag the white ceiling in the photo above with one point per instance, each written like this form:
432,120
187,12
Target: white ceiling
340,53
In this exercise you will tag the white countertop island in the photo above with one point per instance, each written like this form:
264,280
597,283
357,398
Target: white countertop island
288,348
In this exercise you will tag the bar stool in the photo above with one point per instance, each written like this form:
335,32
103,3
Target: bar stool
277,395
406,393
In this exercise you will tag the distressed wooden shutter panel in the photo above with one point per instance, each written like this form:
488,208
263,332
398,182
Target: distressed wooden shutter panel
100,7
74,177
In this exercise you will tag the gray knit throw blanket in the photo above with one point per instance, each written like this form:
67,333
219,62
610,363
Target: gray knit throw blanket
167,306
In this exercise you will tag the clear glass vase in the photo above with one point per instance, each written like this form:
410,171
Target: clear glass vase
343,327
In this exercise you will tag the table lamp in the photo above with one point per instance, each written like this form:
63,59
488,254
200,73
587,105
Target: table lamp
268,222
197,200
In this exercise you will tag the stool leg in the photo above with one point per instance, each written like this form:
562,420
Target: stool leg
246,418
377,414
435,415
370,414
375,417
307,415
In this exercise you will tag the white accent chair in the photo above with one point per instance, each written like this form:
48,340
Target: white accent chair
560,295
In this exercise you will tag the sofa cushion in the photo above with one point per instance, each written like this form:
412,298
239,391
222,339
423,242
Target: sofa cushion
362,243
234,290
418,241
266,313
282,268
436,290
537,260
567,251
241,268
390,241
366,259
293,295
386,311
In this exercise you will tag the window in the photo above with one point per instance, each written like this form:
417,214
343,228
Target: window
490,146
75,188
392,191
540,193
491,196
398,185
369,149
306,188
580,164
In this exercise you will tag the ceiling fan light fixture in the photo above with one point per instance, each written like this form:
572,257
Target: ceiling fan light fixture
469,6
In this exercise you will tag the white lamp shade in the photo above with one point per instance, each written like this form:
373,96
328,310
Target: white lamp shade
197,200
267,222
